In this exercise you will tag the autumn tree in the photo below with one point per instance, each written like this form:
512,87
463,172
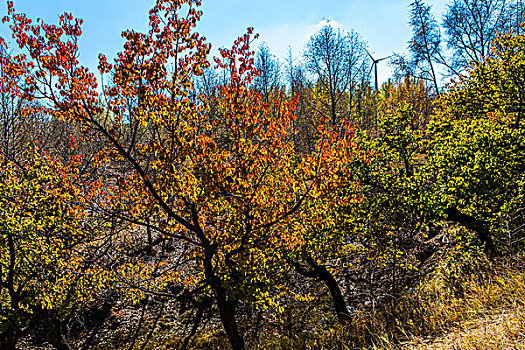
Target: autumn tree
45,269
503,88
478,153
387,222
228,191
412,91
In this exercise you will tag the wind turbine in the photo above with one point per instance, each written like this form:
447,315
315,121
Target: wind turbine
374,66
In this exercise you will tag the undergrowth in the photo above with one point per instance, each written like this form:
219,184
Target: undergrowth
461,305
475,304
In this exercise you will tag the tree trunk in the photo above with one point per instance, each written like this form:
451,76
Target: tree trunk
196,323
321,273
227,314
337,297
475,225
226,307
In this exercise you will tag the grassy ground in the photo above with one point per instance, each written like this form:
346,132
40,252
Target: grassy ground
504,330
484,309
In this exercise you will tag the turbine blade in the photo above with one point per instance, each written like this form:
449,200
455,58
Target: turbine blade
384,58
370,55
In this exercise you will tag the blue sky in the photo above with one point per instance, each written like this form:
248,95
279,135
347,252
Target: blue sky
280,23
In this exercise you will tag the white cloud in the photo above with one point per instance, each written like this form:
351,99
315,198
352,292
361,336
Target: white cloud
281,38
324,22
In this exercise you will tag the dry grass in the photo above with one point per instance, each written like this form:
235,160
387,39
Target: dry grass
479,306
482,310
505,330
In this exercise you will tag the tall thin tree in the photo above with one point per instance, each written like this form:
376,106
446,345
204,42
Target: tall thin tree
425,44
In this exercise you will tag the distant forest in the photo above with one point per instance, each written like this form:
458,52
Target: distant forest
181,201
